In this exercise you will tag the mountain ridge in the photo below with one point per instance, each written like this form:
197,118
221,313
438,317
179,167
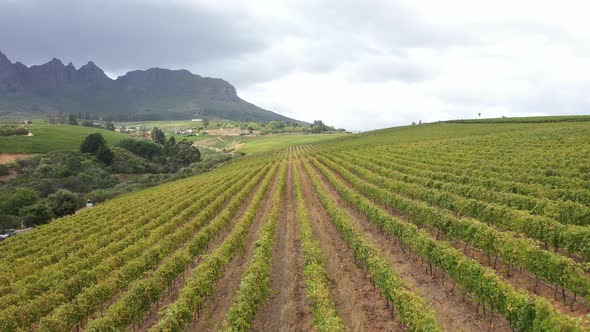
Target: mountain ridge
151,94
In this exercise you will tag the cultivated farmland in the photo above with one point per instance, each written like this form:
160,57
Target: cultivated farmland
442,227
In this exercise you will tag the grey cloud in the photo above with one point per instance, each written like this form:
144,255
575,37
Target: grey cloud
121,35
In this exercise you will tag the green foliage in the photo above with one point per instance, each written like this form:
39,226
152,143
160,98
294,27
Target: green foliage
47,138
72,120
4,170
104,155
142,148
8,221
137,301
22,198
317,282
13,130
412,309
63,202
158,136
512,250
183,153
36,214
92,143
255,283
522,311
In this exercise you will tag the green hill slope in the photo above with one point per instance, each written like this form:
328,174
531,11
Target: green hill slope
48,138
432,222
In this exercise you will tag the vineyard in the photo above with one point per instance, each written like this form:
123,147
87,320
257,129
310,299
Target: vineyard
441,227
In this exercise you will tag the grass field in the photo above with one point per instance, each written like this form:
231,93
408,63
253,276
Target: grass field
436,227
48,138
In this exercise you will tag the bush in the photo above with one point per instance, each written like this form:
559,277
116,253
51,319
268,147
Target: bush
36,214
13,130
63,202
92,143
104,155
4,170
99,195
22,198
145,149
8,221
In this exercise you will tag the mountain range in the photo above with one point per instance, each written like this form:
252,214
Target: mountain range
153,94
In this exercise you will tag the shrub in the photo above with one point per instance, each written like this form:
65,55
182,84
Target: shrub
145,149
91,143
63,202
4,170
13,130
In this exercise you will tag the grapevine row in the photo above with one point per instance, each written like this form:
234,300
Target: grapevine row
202,280
523,311
132,306
413,311
255,282
317,283
512,250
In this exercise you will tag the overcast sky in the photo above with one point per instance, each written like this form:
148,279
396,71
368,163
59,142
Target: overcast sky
354,64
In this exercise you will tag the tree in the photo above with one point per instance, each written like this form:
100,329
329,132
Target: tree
318,126
110,126
104,155
91,143
72,120
170,146
158,136
142,148
205,122
36,214
183,153
22,198
63,202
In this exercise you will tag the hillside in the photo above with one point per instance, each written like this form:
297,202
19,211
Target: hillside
47,138
153,94
436,227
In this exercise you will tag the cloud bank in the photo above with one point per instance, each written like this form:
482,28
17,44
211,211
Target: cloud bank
354,64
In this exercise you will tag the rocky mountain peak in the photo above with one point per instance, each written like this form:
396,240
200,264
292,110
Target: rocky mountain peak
4,60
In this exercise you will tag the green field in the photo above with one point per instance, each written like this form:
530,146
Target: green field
434,227
274,142
47,138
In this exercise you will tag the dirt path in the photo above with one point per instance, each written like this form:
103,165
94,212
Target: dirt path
361,306
8,157
453,311
171,295
286,308
214,310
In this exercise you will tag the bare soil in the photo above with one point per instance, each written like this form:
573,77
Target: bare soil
361,306
454,311
8,157
286,308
